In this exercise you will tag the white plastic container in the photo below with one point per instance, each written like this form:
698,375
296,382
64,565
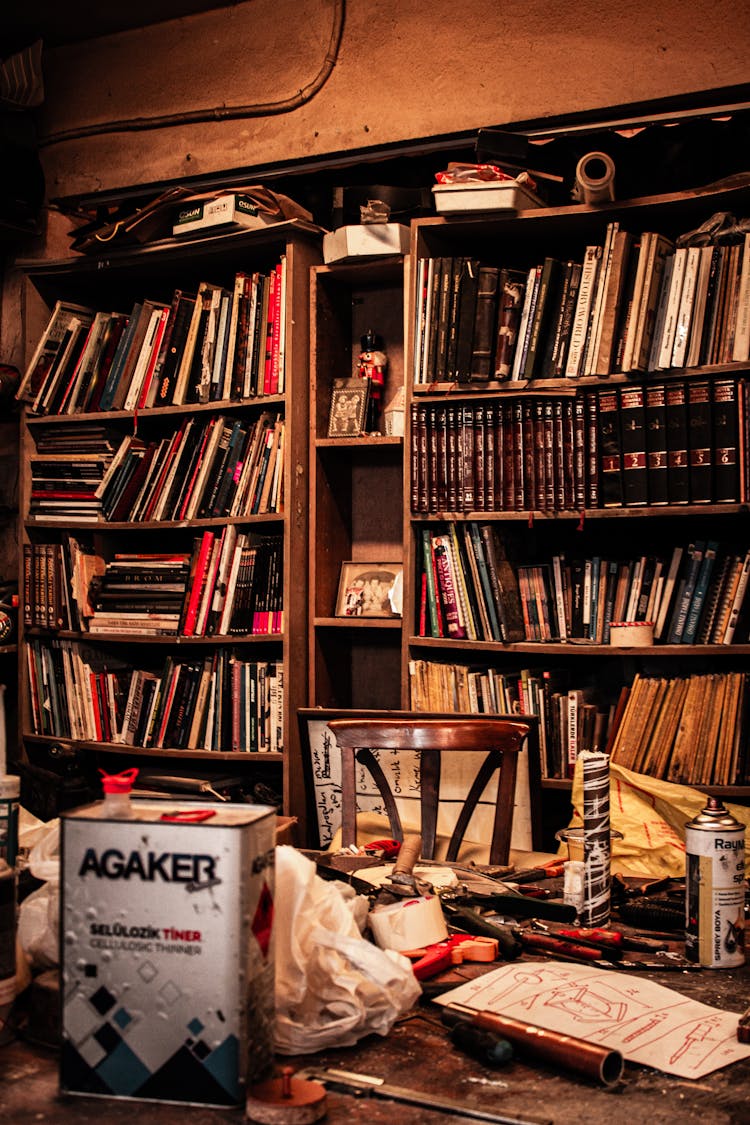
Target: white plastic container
484,197
167,953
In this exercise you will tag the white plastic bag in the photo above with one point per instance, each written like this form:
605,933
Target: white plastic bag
332,985
39,913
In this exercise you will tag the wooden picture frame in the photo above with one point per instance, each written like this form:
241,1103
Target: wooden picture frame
369,589
349,398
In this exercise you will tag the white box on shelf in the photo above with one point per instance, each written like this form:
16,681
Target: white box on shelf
365,240
231,210
485,196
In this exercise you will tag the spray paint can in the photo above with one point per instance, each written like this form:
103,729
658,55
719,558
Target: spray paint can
715,888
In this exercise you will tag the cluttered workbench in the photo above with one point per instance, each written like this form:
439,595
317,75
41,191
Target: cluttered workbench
433,1076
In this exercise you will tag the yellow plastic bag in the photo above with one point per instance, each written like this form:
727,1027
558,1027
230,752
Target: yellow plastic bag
651,815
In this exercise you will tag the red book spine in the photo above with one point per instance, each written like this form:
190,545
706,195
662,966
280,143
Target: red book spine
272,305
191,614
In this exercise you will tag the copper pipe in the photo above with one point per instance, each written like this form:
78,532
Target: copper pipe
603,1064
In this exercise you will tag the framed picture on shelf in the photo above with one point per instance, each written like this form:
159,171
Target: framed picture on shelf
369,589
348,407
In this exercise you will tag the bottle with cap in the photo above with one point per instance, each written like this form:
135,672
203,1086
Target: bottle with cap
117,788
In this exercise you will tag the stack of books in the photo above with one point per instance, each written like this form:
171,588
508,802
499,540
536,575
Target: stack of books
698,594
213,345
632,302
222,466
218,703
140,594
682,442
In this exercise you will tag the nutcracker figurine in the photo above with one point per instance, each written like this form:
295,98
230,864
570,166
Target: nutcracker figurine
371,364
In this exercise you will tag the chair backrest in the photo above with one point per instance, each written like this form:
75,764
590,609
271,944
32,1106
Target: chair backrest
499,739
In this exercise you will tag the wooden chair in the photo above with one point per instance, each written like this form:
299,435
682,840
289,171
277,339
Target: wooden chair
499,739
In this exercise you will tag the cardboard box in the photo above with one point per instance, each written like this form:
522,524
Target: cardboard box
484,197
167,951
367,240
230,210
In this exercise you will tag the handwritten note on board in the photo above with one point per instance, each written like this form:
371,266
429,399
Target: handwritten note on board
457,774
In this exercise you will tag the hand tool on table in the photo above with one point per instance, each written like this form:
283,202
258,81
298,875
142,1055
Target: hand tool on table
614,939
369,1085
454,950
517,905
485,1046
743,1027
550,870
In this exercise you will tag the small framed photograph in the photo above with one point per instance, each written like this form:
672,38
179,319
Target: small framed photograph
370,590
348,407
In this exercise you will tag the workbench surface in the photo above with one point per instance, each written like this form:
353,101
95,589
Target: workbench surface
418,1054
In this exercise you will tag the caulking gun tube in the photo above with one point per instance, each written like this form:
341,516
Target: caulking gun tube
599,1063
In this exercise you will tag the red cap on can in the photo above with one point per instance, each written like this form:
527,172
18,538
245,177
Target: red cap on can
119,782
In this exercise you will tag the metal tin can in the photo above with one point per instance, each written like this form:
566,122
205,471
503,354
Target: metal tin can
715,888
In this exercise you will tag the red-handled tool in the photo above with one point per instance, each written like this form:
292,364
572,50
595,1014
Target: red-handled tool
550,870
606,938
453,951
189,816
559,947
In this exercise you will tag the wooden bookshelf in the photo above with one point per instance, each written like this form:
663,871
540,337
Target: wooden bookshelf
582,530
116,281
356,485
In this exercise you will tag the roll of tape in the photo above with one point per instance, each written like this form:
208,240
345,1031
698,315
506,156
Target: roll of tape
410,924
595,178
631,634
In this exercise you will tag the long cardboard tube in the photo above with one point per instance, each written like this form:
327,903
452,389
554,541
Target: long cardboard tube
603,1064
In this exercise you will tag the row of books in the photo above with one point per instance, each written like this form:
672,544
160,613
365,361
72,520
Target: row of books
229,586
219,702
675,443
569,722
220,466
467,588
688,730
697,594
634,302
214,345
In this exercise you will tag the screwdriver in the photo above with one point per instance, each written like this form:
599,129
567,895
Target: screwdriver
486,1046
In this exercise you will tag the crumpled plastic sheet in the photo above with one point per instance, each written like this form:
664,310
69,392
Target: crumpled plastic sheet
332,985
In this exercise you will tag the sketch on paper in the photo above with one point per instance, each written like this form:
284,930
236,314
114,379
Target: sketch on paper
648,1023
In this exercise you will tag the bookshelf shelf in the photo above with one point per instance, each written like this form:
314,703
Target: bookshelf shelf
123,748
356,484
155,525
223,639
362,623
188,313
558,385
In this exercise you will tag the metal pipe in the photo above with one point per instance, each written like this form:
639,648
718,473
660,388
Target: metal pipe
603,1064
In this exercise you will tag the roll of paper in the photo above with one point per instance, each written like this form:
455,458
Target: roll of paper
595,178
596,839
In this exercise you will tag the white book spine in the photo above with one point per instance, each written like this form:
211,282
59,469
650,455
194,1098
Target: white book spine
741,345
684,316
677,281
586,289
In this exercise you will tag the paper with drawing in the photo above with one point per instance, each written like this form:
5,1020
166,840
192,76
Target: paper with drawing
648,1023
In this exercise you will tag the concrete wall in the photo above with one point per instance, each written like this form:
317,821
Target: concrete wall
403,70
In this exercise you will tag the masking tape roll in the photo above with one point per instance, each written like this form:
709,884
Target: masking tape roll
595,178
410,924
